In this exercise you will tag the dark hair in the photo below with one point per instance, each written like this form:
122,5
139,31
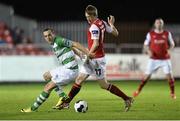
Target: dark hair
91,10
47,29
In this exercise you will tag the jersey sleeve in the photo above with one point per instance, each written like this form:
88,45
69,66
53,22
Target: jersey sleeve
65,42
147,40
108,28
170,38
95,32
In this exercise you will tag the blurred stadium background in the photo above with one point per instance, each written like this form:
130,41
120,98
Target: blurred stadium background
24,55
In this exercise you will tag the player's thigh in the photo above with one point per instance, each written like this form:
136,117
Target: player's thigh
152,66
167,67
81,78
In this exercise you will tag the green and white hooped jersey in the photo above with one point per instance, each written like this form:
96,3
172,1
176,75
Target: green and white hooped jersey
64,53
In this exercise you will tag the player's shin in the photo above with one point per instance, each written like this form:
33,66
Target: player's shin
74,91
143,82
60,92
171,85
116,91
62,96
40,99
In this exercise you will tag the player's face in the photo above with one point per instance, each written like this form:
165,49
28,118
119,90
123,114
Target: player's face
159,24
48,36
89,18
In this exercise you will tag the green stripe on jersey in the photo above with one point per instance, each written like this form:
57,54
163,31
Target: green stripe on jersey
75,67
65,50
62,48
67,60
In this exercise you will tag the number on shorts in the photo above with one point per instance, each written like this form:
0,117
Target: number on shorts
98,72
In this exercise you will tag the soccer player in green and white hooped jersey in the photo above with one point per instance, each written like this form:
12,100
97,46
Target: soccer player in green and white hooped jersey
64,50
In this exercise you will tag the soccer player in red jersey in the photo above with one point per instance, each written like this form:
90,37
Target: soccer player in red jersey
158,44
96,65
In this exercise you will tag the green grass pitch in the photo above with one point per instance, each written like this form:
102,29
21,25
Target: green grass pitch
153,103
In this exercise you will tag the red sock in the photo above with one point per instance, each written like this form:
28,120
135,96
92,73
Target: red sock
116,91
74,91
171,85
143,82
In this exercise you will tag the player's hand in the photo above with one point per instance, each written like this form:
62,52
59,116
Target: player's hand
111,20
91,55
84,58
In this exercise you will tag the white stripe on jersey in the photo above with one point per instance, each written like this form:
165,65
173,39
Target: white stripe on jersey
65,56
58,52
71,64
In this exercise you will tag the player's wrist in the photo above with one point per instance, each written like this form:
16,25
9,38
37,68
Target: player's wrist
111,25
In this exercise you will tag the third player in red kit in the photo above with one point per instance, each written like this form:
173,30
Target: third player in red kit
95,66
158,44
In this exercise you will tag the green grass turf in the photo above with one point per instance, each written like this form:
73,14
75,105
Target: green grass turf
153,103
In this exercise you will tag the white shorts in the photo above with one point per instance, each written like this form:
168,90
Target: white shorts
63,76
154,64
96,67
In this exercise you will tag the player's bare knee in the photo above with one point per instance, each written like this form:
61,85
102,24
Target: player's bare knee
103,87
147,77
47,76
169,76
104,84
79,81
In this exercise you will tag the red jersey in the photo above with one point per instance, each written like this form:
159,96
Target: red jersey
97,31
159,44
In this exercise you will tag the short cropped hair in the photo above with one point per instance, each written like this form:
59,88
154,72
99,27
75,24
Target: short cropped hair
91,10
48,29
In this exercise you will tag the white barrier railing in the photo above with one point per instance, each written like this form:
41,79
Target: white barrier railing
119,67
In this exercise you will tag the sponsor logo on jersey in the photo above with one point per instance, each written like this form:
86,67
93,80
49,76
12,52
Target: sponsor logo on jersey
159,41
94,31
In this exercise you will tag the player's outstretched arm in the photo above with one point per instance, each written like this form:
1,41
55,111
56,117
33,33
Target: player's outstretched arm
111,21
77,52
78,46
95,45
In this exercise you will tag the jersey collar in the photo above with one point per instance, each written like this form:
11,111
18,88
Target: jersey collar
94,21
53,40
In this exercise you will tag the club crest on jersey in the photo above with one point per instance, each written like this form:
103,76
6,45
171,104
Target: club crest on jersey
94,31
164,36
